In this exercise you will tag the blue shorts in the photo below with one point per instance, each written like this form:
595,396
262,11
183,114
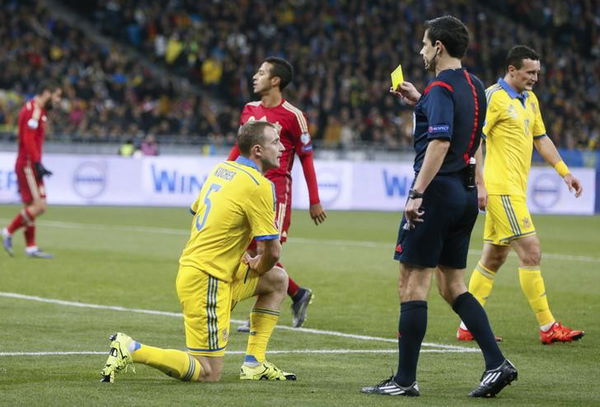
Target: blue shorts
443,236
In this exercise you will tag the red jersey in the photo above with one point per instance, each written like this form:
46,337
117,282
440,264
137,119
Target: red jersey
32,131
293,131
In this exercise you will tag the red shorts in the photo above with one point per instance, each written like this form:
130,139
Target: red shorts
283,209
29,187
283,206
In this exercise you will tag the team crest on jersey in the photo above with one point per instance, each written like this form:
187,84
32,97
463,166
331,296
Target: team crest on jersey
526,222
511,111
532,107
305,138
278,126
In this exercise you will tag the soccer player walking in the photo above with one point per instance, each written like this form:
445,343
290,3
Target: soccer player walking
235,205
513,127
441,209
273,75
32,122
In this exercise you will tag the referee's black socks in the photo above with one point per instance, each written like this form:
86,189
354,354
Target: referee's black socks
411,331
473,315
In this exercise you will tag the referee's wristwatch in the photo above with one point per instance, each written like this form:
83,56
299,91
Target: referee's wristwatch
412,194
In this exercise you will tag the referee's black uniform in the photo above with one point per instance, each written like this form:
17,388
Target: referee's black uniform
452,108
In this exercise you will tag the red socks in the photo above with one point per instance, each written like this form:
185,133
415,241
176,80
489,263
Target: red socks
30,235
24,218
292,287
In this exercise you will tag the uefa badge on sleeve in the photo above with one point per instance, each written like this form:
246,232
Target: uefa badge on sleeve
305,138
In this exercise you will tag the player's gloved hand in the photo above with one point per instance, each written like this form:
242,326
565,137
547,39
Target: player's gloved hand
41,171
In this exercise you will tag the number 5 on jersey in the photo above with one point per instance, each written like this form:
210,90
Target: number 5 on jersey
207,204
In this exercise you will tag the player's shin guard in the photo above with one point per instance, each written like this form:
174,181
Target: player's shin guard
532,284
174,363
262,323
481,283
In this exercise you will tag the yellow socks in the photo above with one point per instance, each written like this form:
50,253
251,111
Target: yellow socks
532,284
262,323
174,363
481,283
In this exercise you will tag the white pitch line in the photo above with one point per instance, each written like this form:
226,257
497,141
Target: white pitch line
69,353
300,240
243,352
179,315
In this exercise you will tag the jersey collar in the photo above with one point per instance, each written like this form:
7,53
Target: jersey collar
247,162
511,92
272,107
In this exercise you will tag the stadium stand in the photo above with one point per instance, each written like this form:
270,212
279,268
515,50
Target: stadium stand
343,52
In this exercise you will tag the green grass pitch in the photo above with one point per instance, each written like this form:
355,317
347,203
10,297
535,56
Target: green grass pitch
127,257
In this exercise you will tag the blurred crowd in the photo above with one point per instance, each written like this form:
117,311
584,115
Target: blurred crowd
572,24
342,50
108,95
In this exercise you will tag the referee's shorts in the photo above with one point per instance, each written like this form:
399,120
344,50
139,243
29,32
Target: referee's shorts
443,236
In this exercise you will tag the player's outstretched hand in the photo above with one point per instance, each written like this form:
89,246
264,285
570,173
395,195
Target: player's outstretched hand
407,92
574,184
317,213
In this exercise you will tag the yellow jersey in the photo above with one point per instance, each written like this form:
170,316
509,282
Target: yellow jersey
235,205
513,120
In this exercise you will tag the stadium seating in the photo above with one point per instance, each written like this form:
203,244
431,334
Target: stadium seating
343,53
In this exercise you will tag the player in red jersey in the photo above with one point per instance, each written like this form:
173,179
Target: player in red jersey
272,77
33,119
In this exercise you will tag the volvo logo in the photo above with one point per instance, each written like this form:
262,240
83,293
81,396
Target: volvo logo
330,186
89,180
545,190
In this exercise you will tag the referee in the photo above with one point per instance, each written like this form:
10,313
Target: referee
442,208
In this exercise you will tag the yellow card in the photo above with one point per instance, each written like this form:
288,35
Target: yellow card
397,77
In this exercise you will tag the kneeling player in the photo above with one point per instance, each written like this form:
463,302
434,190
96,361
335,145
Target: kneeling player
235,205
